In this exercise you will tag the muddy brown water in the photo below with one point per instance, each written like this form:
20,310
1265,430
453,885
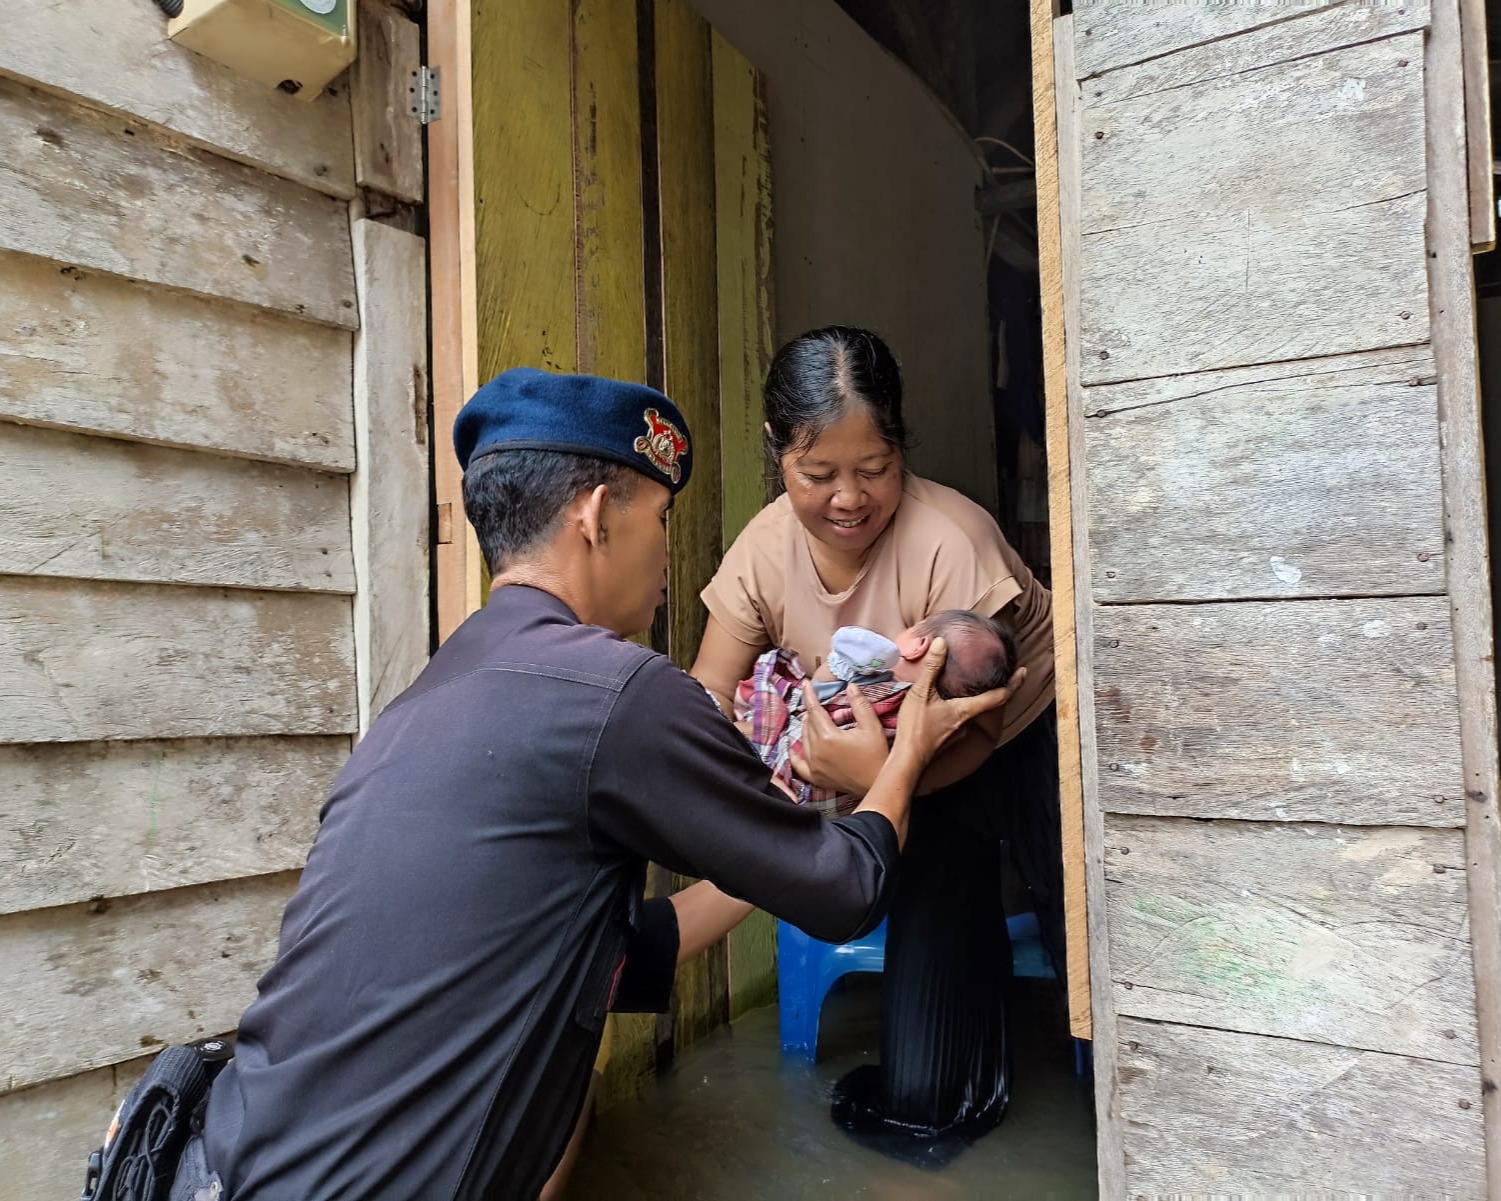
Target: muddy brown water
736,1121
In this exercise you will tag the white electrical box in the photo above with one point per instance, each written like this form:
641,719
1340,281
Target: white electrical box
299,46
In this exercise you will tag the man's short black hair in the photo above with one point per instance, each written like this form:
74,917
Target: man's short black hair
514,498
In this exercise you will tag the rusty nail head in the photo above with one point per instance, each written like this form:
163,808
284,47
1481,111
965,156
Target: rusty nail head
1450,1034
1114,642
1127,985
1125,850
1423,625
1098,134
1423,557
1464,1105
1438,869
1401,62
1110,575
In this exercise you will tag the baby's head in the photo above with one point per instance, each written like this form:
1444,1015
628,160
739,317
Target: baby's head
982,652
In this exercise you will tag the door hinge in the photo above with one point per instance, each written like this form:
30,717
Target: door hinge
426,98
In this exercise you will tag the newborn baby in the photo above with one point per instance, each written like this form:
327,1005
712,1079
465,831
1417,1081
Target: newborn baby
769,706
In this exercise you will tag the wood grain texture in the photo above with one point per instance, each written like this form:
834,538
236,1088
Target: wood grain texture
1465,514
81,820
1316,29
387,141
1336,934
96,984
690,356
1256,218
48,1130
117,57
1222,1114
610,302
1112,35
100,509
523,186
1476,66
91,352
690,308
390,490
452,290
85,662
743,228
1338,711
1110,1134
1047,140
1297,479
105,194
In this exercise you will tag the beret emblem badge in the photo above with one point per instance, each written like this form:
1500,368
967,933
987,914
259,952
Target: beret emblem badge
662,444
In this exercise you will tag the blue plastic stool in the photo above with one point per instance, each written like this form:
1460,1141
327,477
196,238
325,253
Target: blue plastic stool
807,969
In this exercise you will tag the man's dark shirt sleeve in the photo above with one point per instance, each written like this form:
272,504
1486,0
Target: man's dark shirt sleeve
651,960
675,782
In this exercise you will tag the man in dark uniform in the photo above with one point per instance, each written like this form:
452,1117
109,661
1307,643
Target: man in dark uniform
472,905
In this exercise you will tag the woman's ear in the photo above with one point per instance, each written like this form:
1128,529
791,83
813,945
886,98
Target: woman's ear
766,425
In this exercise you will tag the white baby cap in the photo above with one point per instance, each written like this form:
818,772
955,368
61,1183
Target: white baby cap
855,652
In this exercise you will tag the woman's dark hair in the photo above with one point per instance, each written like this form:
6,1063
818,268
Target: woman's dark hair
514,498
816,377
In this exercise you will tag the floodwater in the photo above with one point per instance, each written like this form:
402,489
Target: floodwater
735,1121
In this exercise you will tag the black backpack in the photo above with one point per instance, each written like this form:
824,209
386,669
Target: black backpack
153,1124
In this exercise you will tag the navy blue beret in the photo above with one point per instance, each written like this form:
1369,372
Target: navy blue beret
528,409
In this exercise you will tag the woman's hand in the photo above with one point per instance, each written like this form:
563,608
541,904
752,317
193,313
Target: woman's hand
928,722
846,760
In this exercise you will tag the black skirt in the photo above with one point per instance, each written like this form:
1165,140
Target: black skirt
944,1064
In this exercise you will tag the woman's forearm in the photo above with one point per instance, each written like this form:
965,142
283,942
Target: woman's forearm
705,915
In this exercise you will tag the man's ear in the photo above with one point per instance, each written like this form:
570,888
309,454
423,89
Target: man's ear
590,515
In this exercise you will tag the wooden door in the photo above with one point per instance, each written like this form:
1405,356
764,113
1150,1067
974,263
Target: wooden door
1261,215
601,204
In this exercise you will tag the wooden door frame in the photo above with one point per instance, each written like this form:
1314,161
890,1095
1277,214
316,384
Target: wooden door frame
453,306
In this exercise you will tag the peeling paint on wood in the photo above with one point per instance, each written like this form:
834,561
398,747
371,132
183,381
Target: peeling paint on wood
91,352
102,194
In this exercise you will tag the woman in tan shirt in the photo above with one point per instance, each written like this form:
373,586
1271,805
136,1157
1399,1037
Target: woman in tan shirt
857,540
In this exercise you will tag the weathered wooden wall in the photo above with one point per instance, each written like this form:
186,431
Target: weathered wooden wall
213,527
1281,914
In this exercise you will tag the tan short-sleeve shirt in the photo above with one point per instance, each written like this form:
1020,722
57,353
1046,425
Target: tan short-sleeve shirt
941,551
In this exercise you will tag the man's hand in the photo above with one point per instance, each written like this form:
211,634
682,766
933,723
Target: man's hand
928,722
846,760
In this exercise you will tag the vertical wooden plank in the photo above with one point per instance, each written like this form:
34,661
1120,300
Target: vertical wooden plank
388,492
742,208
606,316
690,357
742,202
1452,298
1477,76
452,268
387,142
523,185
1060,517
608,257
1109,1140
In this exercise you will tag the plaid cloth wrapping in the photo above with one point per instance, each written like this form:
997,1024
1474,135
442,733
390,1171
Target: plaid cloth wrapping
772,701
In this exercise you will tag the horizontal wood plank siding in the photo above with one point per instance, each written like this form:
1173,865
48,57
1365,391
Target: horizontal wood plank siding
82,662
